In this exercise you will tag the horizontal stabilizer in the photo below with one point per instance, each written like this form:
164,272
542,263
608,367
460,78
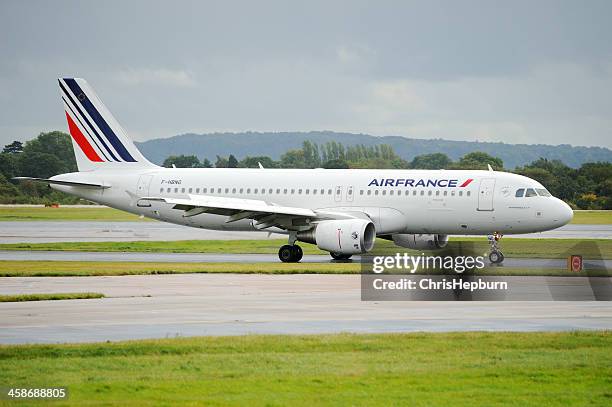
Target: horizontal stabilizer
66,183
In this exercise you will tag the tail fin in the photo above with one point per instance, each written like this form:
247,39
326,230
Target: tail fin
98,139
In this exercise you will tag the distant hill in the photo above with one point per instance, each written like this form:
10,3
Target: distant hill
275,144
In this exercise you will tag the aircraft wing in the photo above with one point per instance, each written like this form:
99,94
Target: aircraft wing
264,213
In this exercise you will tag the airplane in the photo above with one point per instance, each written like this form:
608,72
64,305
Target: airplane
341,211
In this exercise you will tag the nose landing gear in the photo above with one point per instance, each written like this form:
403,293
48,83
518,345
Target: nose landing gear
495,256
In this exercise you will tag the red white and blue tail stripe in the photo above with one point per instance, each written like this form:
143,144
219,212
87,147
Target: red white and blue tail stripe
98,139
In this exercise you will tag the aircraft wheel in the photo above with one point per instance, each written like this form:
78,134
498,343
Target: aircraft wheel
297,253
496,257
286,254
340,256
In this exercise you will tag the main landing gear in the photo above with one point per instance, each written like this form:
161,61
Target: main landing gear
495,256
290,253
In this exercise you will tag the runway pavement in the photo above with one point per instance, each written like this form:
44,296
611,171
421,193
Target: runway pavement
74,231
20,255
229,304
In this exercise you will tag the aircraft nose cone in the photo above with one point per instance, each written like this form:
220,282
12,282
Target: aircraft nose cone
565,213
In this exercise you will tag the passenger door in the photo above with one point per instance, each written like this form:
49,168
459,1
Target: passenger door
485,194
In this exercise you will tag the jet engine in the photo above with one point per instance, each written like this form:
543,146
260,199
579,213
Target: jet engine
346,236
420,242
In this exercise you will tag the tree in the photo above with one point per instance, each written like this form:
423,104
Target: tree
57,144
293,159
232,162
253,162
435,161
336,163
40,165
478,160
221,162
182,161
8,165
13,148
206,163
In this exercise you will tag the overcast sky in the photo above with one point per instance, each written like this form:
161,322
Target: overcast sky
518,72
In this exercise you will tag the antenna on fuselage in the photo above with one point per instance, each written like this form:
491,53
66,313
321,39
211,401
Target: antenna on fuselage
261,167
490,169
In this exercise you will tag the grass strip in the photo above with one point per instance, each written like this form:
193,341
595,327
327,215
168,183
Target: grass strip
9,268
522,248
420,369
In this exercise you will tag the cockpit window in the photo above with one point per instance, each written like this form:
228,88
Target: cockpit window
530,192
520,192
543,192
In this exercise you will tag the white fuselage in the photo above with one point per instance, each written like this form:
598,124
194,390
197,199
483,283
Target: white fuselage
397,201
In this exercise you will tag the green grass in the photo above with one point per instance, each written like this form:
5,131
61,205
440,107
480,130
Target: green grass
48,297
63,213
421,369
534,248
10,268
592,217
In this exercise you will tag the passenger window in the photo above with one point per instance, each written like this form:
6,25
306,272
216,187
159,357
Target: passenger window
407,193
168,190
176,190
300,191
255,190
422,192
190,190
445,193
322,191
285,191
376,192
468,193
218,190
414,192
161,190
391,192
530,192
277,191
270,191
329,191
241,190
520,192
384,192
437,193
460,193
197,190
308,192
203,190
182,190
452,193
248,190
369,192
429,192
233,190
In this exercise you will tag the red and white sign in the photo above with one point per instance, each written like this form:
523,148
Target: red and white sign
574,263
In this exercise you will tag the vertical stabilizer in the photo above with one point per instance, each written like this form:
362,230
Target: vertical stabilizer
98,139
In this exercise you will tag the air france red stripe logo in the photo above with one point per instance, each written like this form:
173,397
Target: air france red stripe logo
76,134
466,183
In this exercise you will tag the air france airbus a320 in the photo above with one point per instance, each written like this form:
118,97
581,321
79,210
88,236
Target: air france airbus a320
341,211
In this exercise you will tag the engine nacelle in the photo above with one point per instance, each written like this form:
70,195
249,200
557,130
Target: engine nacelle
421,242
346,236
